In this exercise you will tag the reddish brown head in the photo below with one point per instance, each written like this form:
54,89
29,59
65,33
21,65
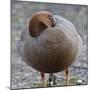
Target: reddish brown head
39,22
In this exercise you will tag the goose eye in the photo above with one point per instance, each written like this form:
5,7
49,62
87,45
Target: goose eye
50,18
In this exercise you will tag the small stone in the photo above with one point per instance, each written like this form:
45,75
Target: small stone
23,79
52,83
79,82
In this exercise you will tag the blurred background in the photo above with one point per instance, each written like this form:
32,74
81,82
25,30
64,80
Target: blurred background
23,76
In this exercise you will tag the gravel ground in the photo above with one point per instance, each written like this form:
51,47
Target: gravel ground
23,76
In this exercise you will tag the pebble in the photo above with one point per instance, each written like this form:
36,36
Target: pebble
79,82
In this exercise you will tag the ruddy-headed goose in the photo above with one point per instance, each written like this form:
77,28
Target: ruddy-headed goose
50,45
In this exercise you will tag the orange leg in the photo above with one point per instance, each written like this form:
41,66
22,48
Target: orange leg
66,77
43,79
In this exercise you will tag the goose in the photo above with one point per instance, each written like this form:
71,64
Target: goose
50,45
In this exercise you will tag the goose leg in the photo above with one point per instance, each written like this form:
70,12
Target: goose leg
66,77
43,79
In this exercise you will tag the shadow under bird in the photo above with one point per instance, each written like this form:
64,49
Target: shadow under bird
50,45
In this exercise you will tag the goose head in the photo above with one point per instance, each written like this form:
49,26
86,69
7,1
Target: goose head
39,22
